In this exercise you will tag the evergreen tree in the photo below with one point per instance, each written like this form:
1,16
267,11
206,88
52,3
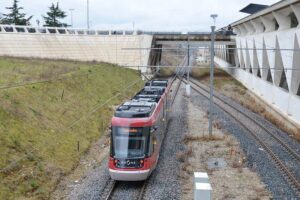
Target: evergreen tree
54,15
15,16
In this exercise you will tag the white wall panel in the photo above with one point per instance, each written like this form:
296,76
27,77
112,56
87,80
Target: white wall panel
105,48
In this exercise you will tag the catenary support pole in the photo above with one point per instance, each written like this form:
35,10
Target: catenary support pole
71,11
88,14
188,86
188,61
212,52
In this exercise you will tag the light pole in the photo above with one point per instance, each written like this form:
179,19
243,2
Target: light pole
38,23
188,87
88,14
188,61
212,55
133,24
71,10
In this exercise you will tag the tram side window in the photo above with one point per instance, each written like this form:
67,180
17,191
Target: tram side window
161,122
152,144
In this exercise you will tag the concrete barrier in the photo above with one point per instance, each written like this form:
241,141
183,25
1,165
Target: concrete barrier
202,190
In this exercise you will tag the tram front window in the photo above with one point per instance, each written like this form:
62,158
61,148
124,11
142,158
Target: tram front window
129,142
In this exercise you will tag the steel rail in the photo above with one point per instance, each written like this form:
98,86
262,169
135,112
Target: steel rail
176,91
283,143
142,191
289,176
110,187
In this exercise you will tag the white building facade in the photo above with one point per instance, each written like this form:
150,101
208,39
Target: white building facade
267,56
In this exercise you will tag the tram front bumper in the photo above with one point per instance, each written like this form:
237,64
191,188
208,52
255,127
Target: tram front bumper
122,175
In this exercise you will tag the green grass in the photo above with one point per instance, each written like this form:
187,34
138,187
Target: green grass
222,78
37,144
167,71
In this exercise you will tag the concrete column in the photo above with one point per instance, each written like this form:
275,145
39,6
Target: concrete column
265,62
278,64
246,32
255,60
249,27
258,26
283,21
242,30
295,80
296,10
248,62
269,24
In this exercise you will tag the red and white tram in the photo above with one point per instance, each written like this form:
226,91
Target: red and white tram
137,132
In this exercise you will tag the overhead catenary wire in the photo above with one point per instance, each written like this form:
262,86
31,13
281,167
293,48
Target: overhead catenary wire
204,67
226,48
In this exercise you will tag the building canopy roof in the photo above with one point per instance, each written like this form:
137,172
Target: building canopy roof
253,8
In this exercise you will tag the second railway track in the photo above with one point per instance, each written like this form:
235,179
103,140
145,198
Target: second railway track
291,173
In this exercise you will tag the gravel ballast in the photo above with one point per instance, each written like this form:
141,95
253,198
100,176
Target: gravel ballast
257,158
165,182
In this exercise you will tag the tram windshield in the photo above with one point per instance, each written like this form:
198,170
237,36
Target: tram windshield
130,142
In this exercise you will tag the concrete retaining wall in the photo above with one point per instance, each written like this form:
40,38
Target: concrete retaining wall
106,48
282,101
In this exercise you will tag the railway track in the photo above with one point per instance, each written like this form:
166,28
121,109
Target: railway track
109,189
111,185
292,152
176,91
142,191
237,114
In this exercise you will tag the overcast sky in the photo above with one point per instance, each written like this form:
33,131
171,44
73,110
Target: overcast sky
171,15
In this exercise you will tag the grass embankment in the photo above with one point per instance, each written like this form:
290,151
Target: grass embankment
41,124
229,86
222,79
166,71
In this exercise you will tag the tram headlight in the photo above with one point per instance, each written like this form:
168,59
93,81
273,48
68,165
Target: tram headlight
116,162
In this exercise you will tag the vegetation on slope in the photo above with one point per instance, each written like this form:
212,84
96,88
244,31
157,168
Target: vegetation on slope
42,124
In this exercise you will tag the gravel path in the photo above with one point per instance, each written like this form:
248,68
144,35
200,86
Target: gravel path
257,159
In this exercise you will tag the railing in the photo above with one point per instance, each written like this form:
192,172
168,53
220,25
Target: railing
63,30
73,31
